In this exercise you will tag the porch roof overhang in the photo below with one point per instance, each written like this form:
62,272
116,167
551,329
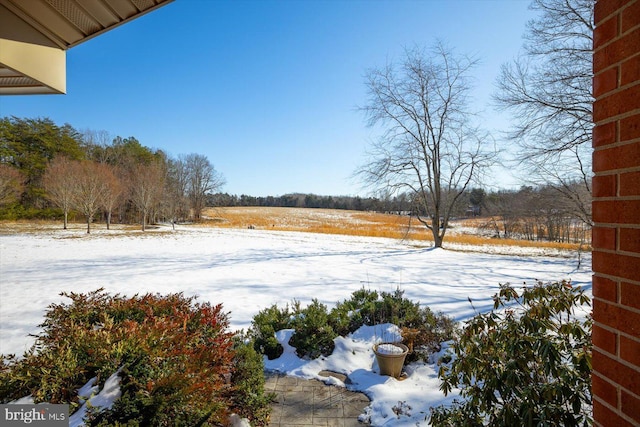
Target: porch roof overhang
35,35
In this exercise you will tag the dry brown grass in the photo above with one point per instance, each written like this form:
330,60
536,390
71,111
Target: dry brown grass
327,221
42,226
354,223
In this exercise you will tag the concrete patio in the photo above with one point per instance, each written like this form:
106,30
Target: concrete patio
301,402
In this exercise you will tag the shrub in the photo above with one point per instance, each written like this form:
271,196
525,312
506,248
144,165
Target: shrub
264,326
313,335
249,399
315,328
428,329
527,362
351,314
175,359
15,211
370,308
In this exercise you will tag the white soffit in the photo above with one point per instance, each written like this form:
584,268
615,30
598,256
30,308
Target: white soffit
35,34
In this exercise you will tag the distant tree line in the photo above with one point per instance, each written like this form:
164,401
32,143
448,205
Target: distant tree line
51,171
531,213
300,200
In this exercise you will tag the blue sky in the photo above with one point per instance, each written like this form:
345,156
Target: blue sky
268,90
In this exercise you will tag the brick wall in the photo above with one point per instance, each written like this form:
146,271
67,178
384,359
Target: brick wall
616,213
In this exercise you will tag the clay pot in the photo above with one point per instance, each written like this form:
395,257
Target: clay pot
390,357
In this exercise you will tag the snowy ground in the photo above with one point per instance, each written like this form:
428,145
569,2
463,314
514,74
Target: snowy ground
248,270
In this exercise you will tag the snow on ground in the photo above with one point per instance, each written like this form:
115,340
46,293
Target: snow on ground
248,270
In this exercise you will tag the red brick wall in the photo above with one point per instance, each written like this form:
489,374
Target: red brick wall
616,213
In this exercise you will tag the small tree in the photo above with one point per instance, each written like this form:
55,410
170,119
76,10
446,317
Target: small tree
176,203
97,146
89,189
113,191
477,199
59,182
527,362
146,183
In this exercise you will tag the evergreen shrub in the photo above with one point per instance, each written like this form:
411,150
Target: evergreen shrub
525,363
366,307
315,328
248,395
264,326
313,335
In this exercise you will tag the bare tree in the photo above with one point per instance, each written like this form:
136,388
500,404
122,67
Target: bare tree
430,147
202,179
89,188
146,182
11,184
59,182
176,203
113,192
98,145
548,90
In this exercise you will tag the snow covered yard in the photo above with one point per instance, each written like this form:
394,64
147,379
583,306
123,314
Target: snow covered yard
248,270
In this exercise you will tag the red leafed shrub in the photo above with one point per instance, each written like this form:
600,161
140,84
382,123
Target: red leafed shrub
175,356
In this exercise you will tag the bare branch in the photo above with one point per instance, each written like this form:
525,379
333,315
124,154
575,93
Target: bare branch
548,92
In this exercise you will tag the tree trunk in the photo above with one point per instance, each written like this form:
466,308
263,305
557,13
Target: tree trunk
108,220
65,219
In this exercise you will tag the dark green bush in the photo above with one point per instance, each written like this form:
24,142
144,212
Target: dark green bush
526,363
351,314
17,211
314,335
175,356
249,399
264,326
369,308
315,329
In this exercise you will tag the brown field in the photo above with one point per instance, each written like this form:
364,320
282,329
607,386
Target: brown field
327,221
354,223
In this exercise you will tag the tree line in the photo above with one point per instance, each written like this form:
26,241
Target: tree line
529,213
49,171
299,200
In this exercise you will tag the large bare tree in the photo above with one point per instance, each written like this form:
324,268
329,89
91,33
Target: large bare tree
548,91
430,147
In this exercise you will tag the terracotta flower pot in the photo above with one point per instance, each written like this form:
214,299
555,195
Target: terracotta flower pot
390,357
